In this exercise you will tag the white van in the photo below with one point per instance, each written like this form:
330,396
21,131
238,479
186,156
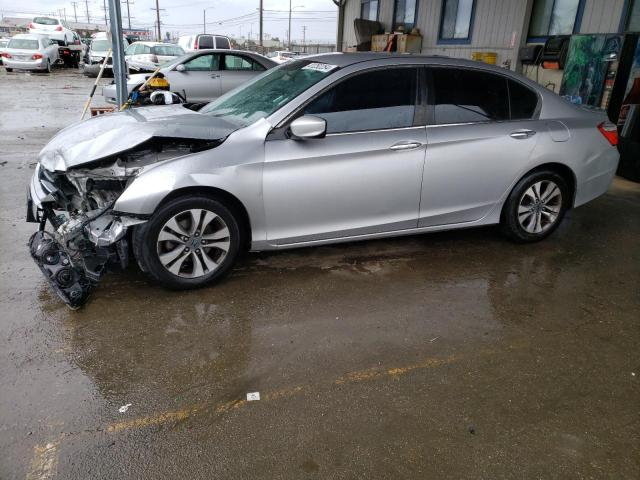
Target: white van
189,43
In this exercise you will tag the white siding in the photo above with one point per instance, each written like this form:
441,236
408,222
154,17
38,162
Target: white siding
494,24
601,16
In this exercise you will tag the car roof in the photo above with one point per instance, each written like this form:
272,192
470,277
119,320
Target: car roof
151,44
345,59
28,36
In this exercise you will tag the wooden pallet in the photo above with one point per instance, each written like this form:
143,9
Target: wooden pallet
101,110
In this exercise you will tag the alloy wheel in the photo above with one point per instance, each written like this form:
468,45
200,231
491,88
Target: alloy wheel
540,206
193,243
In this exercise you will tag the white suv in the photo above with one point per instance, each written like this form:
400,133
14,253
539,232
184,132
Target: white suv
54,28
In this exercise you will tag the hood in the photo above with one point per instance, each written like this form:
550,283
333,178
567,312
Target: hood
106,135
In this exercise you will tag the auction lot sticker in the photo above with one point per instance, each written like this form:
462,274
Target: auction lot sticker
320,67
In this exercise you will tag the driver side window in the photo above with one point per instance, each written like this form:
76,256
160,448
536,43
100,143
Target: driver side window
375,100
203,63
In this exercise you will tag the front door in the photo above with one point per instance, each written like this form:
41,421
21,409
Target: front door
200,79
479,142
364,176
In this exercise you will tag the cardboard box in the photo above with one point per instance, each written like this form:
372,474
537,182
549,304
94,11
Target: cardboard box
405,43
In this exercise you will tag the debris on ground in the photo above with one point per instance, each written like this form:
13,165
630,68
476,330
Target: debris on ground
253,396
124,408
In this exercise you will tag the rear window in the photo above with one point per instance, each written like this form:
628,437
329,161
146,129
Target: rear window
222,42
100,45
23,44
524,101
167,50
45,21
205,41
467,96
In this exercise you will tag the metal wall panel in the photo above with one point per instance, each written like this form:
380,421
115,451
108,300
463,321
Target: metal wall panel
602,16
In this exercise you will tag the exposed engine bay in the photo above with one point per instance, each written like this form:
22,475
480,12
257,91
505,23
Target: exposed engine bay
87,236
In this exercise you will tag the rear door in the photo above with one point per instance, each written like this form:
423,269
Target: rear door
479,142
364,177
237,69
205,42
200,81
223,43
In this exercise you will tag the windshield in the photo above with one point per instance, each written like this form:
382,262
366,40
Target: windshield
45,21
167,50
268,92
23,44
100,45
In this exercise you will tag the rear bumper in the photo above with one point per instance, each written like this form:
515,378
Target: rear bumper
40,64
599,182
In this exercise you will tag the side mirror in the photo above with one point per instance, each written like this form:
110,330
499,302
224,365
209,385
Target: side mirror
308,126
181,68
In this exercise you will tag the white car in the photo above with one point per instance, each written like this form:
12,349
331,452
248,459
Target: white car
30,52
98,50
148,56
54,28
282,56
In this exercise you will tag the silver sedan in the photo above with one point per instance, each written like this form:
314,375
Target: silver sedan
30,52
203,75
331,148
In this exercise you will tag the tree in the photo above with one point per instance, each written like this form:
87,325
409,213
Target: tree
340,4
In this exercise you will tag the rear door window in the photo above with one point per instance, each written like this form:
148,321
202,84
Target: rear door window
375,100
205,41
203,63
240,63
524,101
222,42
469,96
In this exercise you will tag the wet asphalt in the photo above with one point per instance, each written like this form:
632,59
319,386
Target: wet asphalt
451,355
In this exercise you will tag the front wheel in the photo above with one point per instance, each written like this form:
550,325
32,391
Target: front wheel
188,243
535,207
48,69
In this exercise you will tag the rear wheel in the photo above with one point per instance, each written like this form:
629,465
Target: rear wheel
48,69
9,69
535,207
188,243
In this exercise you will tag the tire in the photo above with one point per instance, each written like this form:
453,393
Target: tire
9,69
186,264
48,69
535,207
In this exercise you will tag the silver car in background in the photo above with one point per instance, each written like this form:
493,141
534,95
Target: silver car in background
331,148
203,75
30,52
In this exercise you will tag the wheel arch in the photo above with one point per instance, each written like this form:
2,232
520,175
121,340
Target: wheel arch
227,199
561,169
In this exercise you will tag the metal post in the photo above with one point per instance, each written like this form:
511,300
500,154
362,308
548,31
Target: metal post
119,66
158,20
289,31
261,47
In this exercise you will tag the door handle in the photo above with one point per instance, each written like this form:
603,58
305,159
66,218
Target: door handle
405,146
215,75
522,134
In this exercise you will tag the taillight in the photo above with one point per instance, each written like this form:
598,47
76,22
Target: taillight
59,28
36,56
30,25
154,59
5,55
610,132
195,44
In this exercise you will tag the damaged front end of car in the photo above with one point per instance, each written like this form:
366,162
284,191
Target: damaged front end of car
87,236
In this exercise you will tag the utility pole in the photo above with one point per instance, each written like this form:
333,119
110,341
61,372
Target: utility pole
104,7
75,14
86,4
158,20
304,34
128,15
289,31
261,45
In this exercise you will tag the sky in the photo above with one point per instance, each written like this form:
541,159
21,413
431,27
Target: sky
227,17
